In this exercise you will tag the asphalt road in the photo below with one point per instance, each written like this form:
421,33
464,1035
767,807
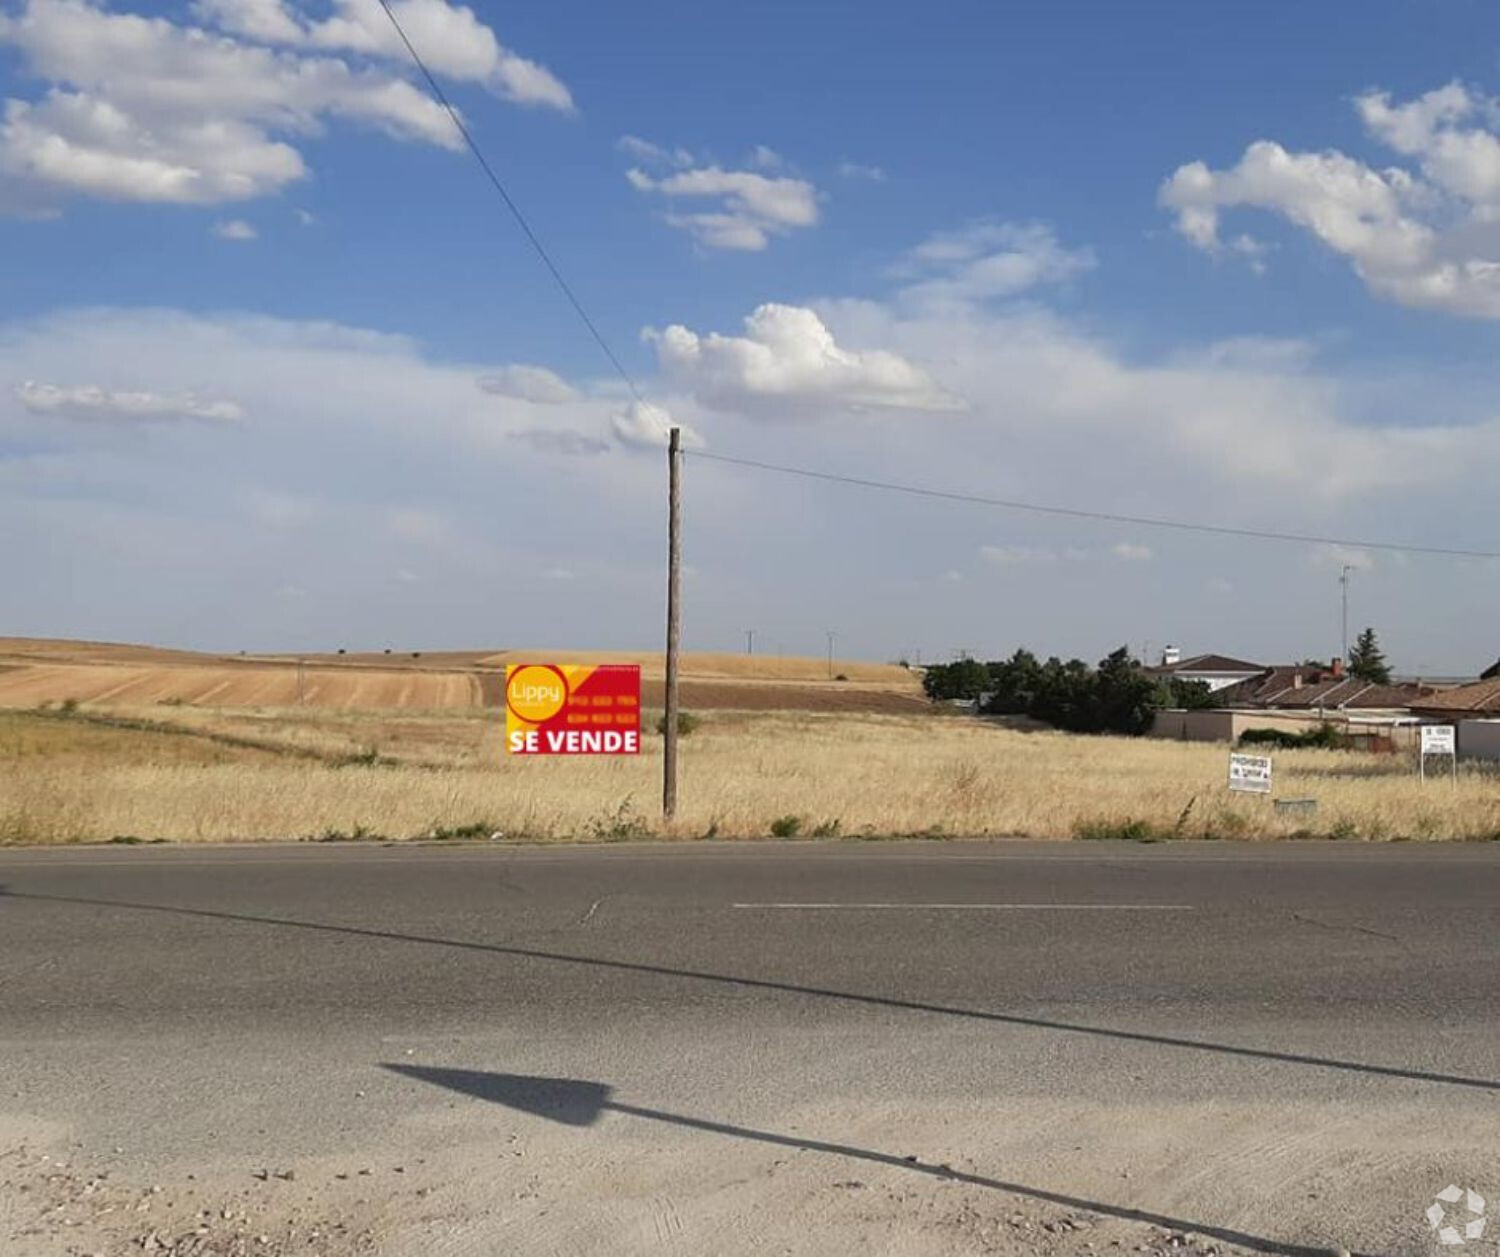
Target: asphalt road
902,1047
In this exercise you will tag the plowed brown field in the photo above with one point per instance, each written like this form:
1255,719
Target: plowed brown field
37,672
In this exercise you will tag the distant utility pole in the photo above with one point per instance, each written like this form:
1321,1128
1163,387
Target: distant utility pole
831,636
674,620
300,671
749,641
1344,591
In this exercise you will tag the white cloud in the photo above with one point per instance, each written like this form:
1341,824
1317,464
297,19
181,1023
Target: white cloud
985,261
1429,239
528,383
1132,552
235,229
749,208
649,154
145,109
562,574
88,402
858,170
644,426
788,361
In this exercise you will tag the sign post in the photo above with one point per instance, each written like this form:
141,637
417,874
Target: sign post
1249,774
1438,740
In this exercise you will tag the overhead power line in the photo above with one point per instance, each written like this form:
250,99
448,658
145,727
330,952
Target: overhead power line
442,99
1069,512
1144,521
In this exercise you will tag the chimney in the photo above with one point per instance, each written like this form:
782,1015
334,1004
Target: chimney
1171,656
1338,669
1297,680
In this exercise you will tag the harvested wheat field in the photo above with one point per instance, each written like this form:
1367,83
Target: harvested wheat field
37,672
258,775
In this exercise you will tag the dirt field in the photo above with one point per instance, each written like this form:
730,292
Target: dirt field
309,774
34,672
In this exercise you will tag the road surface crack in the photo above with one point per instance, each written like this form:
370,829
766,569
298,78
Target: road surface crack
1357,929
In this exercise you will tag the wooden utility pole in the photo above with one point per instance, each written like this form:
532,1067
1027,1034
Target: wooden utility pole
674,619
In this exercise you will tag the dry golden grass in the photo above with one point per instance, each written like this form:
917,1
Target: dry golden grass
853,775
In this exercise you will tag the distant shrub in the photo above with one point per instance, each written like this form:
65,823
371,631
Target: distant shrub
686,724
1324,737
621,825
786,827
1117,829
68,706
475,829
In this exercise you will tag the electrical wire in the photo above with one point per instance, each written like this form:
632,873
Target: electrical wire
1143,521
1069,512
515,210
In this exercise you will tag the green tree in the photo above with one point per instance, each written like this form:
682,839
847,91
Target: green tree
1014,684
1367,661
1186,695
964,679
1126,699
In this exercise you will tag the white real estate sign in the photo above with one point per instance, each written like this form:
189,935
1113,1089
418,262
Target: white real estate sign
1250,774
1438,740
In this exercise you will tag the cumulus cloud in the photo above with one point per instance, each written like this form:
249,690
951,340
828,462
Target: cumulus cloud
985,261
1132,552
235,229
1428,237
859,170
145,109
88,402
789,362
530,384
747,207
644,426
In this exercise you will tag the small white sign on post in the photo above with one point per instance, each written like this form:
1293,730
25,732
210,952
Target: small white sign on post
1438,740
1249,774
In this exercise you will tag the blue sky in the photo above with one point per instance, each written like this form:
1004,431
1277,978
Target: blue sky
269,344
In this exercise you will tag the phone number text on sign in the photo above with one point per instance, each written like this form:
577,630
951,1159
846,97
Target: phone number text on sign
572,709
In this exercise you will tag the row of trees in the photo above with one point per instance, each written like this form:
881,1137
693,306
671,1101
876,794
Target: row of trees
1115,697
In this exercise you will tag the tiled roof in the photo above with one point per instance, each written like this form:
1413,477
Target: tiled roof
1214,663
1482,698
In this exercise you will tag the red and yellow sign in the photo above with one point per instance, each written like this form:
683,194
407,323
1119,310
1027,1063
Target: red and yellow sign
572,709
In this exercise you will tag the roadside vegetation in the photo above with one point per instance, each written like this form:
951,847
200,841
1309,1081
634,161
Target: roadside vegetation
200,775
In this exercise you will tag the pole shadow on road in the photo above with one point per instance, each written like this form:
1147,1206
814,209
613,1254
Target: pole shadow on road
778,987
581,1103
